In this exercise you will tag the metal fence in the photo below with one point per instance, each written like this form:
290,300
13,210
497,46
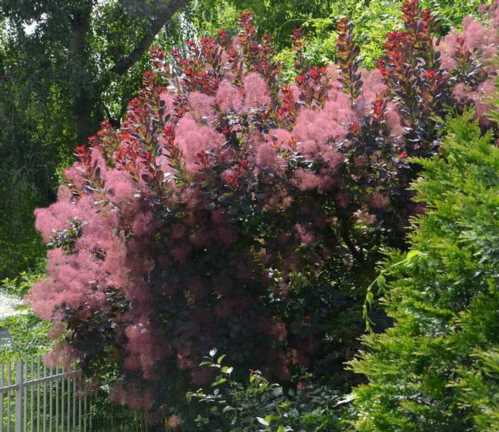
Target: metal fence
34,398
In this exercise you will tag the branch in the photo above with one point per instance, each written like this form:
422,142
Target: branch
78,45
163,16
114,122
345,235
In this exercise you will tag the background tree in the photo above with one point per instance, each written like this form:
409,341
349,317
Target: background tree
64,67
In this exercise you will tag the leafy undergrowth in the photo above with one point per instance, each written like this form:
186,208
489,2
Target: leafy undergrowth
28,338
25,335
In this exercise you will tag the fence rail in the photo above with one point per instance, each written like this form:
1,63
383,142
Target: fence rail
34,398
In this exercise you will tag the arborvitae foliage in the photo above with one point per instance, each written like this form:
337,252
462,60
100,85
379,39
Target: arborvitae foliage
233,211
437,369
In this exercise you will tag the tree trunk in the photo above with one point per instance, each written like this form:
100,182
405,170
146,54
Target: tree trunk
81,78
165,13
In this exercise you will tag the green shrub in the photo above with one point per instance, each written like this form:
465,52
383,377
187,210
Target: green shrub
29,338
22,283
28,334
437,368
256,404
372,20
20,244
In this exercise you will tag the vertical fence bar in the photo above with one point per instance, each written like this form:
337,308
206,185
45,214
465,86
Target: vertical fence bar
9,382
63,413
25,395
79,407
38,395
38,404
51,406
32,398
68,401
19,396
44,372
74,403
56,420
33,387
86,411
61,401
91,416
1,398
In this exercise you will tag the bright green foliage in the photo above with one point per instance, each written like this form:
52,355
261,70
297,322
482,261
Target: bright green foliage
28,332
29,337
22,283
451,12
479,389
437,369
373,19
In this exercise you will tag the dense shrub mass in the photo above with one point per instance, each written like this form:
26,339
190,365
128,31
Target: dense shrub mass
437,368
232,211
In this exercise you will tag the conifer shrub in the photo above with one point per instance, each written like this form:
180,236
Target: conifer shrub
437,368
233,211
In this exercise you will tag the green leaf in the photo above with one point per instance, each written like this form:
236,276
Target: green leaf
227,370
262,421
413,254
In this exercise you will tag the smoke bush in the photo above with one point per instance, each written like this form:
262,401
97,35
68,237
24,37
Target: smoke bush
232,210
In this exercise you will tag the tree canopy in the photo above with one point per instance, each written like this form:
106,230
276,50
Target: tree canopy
64,67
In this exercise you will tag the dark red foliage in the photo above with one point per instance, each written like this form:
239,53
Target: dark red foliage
419,86
347,56
232,211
